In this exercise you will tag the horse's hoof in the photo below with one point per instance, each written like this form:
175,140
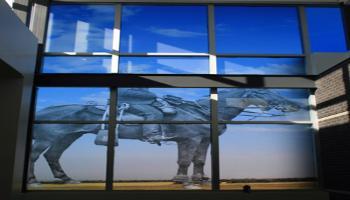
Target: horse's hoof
71,181
36,184
192,187
180,178
32,181
199,178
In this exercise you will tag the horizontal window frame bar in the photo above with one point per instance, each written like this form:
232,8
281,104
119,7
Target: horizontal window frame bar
164,122
168,122
68,122
234,55
154,54
266,122
72,54
118,122
201,2
151,54
164,54
176,81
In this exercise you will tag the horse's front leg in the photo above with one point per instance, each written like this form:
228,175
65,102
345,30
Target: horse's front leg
38,148
186,150
54,153
199,161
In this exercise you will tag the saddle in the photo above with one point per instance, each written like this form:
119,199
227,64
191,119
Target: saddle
178,101
174,100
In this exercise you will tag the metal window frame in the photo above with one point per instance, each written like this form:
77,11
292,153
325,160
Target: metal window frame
211,80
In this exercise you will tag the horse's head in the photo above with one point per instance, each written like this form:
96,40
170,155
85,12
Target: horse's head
266,100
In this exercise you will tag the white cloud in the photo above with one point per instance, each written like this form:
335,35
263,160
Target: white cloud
173,32
77,64
100,98
128,12
269,68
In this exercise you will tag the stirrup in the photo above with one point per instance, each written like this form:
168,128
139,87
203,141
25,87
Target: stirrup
156,139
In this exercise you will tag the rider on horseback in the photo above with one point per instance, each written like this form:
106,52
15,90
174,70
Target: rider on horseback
146,104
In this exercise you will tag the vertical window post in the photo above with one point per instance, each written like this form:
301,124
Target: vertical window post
212,45
305,40
111,138
214,139
116,39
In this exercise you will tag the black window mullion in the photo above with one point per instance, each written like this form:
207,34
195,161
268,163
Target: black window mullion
214,140
111,138
305,38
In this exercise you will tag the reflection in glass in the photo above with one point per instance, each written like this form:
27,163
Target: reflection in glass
164,104
263,104
270,66
164,65
81,104
326,29
166,29
267,157
181,161
243,29
70,160
81,64
80,28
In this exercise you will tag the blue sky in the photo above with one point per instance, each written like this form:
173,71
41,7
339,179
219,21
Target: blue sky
275,66
80,28
164,65
244,29
329,35
76,64
175,29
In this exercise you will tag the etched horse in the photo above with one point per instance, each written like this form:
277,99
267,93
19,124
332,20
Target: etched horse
193,140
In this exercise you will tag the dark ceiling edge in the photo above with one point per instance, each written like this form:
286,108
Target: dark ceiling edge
334,68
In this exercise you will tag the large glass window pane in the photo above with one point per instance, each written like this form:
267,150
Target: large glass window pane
254,104
164,104
75,64
181,162
65,104
64,157
164,65
167,29
326,29
80,28
267,157
260,66
243,29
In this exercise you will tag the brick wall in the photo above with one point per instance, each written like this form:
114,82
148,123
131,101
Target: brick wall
333,103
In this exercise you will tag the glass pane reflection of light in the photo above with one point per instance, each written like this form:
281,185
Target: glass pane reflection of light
260,66
80,28
164,65
76,64
164,29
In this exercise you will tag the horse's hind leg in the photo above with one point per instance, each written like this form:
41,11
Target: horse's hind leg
54,154
37,149
186,150
199,161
